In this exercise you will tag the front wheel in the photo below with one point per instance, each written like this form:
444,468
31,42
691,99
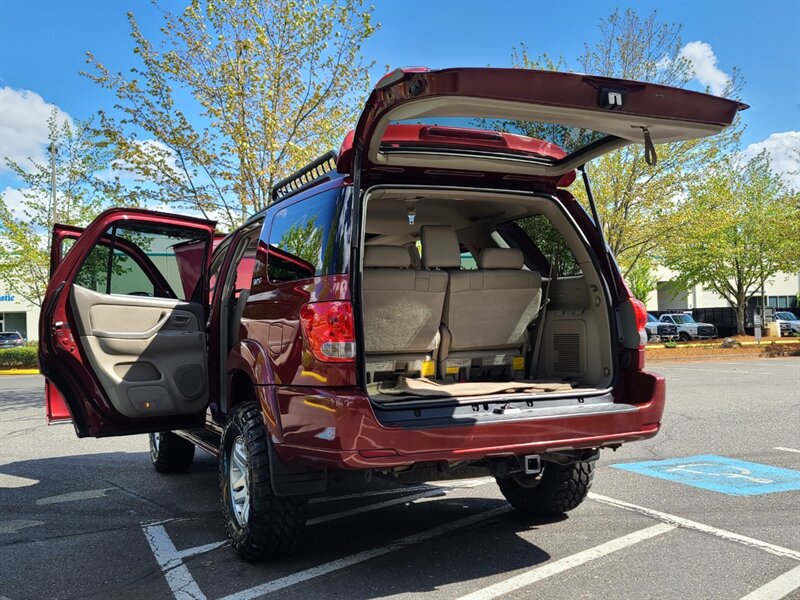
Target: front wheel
260,525
556,490
170,453
685,337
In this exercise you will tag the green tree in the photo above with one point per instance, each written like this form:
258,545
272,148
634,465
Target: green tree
640,205
84,187
275,82
642,280
743,229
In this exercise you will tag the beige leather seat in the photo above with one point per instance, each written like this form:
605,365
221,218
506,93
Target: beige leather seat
487,311
402,308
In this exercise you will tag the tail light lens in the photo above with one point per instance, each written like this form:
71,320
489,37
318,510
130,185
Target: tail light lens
640,313
328,327
636,357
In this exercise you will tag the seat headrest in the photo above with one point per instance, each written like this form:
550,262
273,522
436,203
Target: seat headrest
439,247
386,256
500,258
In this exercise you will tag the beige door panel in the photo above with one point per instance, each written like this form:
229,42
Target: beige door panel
148,353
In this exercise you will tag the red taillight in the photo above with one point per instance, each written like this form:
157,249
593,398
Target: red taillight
640,313
636,357
329,329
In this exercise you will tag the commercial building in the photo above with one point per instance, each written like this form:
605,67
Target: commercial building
16,314
780,291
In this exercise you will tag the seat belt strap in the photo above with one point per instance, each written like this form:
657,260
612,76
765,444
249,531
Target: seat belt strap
541,316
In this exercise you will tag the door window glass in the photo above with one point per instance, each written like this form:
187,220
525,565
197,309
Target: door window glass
145,259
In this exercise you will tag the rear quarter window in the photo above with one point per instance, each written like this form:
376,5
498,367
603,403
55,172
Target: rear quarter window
309,238
541,244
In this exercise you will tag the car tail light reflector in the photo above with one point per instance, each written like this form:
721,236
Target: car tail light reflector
378,453
329,329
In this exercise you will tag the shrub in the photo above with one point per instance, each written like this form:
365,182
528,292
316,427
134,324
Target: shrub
24,357
671,345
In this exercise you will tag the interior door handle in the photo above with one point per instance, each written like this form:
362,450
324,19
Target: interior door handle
135,335
180,320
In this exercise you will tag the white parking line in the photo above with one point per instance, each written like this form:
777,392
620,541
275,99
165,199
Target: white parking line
388,492
456,484
74,496
687,524
17,524
14,481
564,564
359,557
178,577
786,449
778,588
448,484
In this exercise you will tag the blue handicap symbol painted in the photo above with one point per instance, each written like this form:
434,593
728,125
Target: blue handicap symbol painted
720,474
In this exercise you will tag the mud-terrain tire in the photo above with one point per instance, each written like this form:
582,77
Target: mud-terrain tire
556,490
260,525
170,453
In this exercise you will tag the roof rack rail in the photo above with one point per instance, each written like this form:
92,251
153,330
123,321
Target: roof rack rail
313,173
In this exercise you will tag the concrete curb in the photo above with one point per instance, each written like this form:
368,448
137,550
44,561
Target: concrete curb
19,372
717,343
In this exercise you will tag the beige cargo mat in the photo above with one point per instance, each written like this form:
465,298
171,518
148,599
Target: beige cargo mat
407,386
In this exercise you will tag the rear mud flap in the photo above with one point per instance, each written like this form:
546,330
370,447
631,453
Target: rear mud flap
295,481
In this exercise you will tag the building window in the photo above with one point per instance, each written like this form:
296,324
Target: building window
782,301
14,321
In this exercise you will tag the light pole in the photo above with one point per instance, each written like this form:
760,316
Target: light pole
53,151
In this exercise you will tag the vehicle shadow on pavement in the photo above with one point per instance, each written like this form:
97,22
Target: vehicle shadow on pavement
486,549
111,481
16,399
121,491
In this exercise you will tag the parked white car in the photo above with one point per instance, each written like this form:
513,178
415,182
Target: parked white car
688,328
785,316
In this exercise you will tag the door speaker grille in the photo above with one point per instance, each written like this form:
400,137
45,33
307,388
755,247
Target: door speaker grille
567,349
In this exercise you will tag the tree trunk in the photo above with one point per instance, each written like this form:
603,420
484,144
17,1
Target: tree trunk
741,305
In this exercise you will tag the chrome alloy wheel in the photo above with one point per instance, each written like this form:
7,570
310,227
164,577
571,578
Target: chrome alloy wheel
239,482
157,441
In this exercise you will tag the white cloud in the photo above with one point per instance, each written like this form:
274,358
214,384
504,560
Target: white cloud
23,126
784,150
13,199
703,64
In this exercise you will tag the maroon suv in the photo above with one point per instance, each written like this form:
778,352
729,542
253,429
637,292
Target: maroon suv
428,298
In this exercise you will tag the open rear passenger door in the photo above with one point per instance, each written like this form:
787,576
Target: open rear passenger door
122,328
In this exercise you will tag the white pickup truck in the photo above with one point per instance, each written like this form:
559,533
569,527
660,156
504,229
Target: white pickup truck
789,323
688,328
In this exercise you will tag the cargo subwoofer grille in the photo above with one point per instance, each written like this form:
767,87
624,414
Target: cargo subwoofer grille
567,356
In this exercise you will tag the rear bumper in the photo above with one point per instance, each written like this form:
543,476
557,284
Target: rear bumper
338,429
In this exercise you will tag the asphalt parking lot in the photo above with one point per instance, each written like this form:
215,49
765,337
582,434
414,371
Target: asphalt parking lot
92,519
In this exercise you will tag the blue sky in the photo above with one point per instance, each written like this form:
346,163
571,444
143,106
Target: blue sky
43,45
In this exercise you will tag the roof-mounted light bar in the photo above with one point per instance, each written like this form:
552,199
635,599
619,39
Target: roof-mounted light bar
313,173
